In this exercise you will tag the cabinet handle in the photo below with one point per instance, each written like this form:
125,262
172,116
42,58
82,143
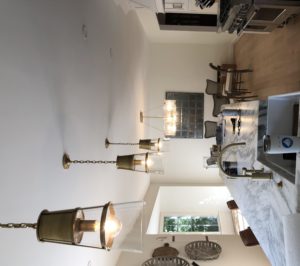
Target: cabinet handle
177,5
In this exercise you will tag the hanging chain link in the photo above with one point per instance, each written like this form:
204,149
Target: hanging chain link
122,143
21,225
93,161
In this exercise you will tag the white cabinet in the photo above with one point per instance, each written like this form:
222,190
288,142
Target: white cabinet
188,6
154,5
184,15
283,115
176,5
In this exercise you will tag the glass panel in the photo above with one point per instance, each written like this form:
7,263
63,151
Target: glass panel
184,224
255,27
190,109
268,14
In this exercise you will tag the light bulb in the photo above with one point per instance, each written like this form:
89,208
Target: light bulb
171,118
149,162
96,226
112,226
171,128
170,105
160,145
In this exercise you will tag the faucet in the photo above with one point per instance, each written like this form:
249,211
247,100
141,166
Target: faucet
246,173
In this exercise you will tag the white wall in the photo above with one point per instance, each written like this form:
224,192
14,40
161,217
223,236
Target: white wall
205,200
154,222
183,67
189,200
60,92
234,253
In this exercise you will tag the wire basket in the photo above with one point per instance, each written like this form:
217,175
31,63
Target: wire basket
166,261
203,250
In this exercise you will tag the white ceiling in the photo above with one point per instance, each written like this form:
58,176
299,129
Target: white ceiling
205,200
63,92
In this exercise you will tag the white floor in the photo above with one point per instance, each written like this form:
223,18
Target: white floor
63,92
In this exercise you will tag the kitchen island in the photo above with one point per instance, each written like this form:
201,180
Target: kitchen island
263,202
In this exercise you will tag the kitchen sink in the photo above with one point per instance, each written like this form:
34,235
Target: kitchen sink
282,164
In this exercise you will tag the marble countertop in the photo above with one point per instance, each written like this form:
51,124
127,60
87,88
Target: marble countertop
262,202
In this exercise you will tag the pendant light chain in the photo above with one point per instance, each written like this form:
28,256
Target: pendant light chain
93,162
20,225
122,143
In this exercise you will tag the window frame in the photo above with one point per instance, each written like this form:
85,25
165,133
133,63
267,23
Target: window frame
190,114
166,214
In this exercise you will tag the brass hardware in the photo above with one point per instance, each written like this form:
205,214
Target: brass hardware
107,143
247,173
86,225
279,184
20,225
147,144
157,145
107,239
146,164
70,226
141,117
60,226
102,229
133,162
66,161
126,162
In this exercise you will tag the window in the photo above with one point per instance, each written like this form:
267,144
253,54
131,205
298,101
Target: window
183,224
190,109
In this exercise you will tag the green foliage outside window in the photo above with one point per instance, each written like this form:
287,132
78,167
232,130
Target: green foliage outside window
190,224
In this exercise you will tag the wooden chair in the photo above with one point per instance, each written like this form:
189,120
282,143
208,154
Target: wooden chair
225,91
229,70
232,87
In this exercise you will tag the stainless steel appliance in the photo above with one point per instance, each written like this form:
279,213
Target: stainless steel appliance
255,15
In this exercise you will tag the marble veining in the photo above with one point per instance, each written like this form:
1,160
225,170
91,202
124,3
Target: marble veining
262,202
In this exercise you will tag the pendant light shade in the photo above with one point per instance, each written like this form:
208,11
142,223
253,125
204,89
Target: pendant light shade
109,226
